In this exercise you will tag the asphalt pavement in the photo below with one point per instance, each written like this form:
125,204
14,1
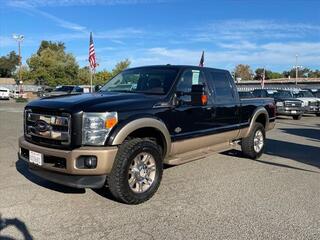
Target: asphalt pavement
224,196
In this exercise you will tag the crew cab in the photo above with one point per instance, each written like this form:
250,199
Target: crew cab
144,117
285,103
311,103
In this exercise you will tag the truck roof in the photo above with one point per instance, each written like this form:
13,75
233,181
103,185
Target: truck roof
169,66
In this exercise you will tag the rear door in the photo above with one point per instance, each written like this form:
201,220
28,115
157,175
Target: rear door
226,103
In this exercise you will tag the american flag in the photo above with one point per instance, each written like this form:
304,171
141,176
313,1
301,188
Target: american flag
201,64
92,54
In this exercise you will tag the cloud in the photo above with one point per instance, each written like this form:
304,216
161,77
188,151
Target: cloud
272,55
31,7
6,42
68,3
241,30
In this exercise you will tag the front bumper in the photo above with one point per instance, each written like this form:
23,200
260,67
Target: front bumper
68,173
287,111
312,109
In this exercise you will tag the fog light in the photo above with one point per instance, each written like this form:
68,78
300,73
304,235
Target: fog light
84,162
90,162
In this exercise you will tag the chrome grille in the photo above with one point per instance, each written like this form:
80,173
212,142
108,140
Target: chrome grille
48,128
292,104
314,104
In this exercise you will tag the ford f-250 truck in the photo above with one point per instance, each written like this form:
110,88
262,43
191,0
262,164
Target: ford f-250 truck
144,117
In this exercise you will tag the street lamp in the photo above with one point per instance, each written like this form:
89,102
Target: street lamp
296,69
19,39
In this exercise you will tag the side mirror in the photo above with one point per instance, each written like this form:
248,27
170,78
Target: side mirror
97,88
198,95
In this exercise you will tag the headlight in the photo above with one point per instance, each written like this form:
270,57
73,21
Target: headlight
303,104
279,104
97,126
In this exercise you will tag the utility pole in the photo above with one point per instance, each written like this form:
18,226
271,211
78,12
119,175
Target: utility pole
19,39
296,69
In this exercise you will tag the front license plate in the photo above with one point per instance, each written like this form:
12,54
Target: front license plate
36,158
293,111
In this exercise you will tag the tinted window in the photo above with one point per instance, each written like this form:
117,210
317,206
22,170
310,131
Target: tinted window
223,89
188,78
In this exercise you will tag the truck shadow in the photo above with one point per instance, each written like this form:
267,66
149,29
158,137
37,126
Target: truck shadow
310,133
22,168
18,224
305,154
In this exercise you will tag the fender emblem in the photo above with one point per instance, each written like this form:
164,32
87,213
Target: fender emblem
177,129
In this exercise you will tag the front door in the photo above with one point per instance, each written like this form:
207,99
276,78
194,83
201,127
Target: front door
190,121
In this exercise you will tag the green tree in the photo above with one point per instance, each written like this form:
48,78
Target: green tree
8,64
120,66
55,46
269,74
104,76
52,65
243,71
84,76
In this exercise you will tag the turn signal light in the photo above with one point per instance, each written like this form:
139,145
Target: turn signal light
111,122
204,99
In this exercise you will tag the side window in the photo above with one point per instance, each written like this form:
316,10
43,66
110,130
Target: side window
224,92
188,78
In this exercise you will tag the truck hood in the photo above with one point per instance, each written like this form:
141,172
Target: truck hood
96,102
307,99
287,99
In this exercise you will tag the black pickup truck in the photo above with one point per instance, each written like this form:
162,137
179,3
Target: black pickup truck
144,117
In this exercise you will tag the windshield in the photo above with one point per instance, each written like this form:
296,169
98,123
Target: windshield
283,94
142,80
304,94
64,89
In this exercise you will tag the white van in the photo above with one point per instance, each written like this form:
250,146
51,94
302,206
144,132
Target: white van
4,93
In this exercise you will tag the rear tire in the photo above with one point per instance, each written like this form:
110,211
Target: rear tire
297,117
253,145
131,181
318,114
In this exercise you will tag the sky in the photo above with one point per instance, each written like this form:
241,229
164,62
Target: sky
259,33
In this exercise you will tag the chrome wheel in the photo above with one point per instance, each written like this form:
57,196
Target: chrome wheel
258,141
142,172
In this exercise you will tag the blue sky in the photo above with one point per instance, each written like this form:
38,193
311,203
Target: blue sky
258,33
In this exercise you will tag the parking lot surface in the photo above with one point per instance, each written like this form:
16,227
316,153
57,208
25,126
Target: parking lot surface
223,196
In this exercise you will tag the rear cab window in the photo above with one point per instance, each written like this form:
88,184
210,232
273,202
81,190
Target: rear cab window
224,90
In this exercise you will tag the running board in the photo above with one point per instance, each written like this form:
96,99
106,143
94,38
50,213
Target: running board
198,154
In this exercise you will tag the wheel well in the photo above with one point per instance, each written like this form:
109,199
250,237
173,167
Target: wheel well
152,134
262,119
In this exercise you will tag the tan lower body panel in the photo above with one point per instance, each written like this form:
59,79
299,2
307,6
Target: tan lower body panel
195,148
105,158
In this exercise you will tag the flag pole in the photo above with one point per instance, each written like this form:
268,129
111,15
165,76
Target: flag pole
91,78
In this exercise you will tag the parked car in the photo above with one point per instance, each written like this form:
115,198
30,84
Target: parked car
264,93
4,93
245,94
287,105
59,90
140,119
17,94
311,103
43,91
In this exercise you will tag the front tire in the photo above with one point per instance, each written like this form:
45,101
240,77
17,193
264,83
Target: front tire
297,117
318,114
137,171
253,145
